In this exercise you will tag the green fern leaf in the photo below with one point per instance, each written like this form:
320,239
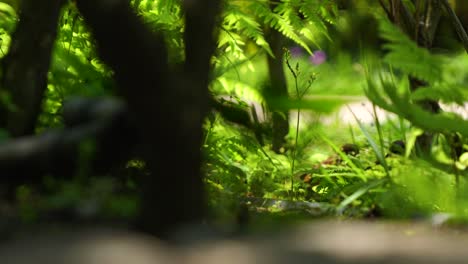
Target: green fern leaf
405,55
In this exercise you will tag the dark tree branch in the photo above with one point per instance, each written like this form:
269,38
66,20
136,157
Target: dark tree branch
239,115
104,122
384,7
431,21
456,24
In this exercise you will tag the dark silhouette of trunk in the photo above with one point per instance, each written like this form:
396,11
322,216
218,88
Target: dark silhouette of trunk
168,106
27,63
277,88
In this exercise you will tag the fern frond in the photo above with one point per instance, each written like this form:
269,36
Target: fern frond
222,68
398,100
447,93
405,55
280,19
166,17
238,88
236,19
316,14
232,43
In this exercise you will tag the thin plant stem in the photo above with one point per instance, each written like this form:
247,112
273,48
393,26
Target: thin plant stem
293,154
299,95
295,141
379,128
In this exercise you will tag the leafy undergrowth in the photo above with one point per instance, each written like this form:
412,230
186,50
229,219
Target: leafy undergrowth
109,199
350,173
340,172
326,170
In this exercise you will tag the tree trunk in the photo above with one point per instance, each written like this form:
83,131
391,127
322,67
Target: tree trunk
168,107
27,64
277,88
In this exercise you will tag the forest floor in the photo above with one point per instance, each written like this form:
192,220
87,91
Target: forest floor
321,241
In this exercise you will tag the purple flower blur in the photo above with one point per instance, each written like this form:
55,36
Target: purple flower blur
318,57
296,52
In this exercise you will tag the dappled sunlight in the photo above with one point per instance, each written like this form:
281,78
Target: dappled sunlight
209,131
